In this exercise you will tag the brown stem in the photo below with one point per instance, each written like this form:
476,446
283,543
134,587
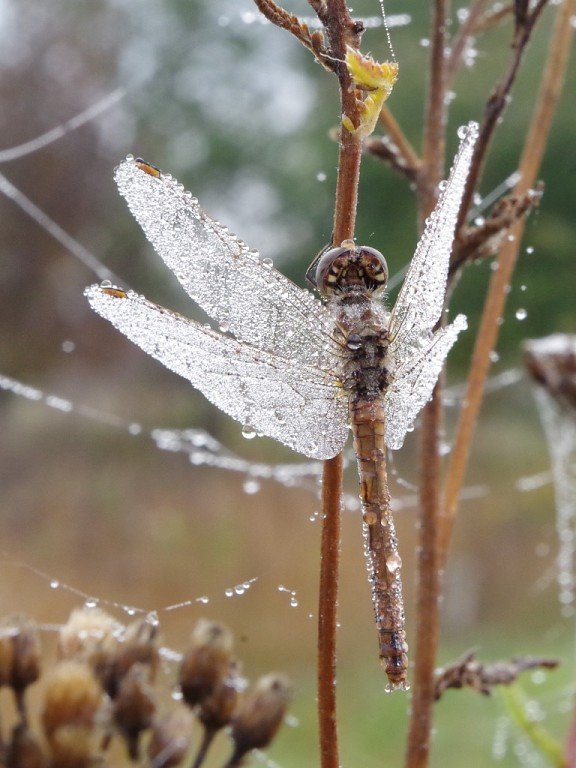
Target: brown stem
327,611
428,589
428,581
494,109
207,739
341,31
434,123
550,89
399,139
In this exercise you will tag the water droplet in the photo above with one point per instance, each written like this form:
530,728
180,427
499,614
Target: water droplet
251,486
442,185
239,590
529,250
393,563
494,357
229,592
425,43
248,432
521,314
267,263
204,600
54,584
106,284
293,602
224,326
91,602
68,346
176,695
129,610
321,176
135,428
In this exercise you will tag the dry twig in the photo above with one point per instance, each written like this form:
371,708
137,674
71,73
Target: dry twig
470,673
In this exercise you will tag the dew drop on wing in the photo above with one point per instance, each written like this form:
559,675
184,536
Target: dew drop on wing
248,432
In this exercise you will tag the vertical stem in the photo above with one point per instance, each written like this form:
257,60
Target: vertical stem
428,579
428,589
327,611
341,30
487,337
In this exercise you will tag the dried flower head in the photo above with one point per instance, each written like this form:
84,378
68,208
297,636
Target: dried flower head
73,697
206,663
138,646
216,711
260,714
19,653
134,706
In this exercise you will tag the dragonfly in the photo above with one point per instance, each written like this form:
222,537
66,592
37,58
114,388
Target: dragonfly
296,368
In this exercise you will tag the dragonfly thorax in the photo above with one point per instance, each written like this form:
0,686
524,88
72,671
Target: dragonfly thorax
351,269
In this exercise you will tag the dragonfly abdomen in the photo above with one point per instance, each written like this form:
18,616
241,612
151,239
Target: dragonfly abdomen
381,544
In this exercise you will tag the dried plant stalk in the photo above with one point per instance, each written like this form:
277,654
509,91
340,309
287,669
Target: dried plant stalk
534,146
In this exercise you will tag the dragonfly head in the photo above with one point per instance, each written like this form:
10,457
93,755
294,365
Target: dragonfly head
351,269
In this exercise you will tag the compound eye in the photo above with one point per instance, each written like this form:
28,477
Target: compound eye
375,268
330,267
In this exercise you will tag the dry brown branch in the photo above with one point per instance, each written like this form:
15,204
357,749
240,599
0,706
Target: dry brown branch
394,148
550,89
495,107
485,240
467,672
314,41
428,573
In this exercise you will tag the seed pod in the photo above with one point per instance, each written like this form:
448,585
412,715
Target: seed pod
260,714
72,697
216,711
26,654
134,707
206,662
170,739
139,646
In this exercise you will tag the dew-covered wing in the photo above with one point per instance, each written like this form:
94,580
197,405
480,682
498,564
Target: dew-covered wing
299,405
244,294
420,301
414,381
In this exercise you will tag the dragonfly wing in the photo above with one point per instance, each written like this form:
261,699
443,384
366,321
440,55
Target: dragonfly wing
421,298
245,295
301,406
414,381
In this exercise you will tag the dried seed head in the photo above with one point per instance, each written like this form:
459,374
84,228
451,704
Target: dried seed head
85,633
170,740
206,663
139,646
72,697
216,710
260,713
91,635
26,654
134,706
24,751
7,631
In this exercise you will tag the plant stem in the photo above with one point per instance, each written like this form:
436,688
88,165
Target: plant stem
327,611
428,579
550,89
341,31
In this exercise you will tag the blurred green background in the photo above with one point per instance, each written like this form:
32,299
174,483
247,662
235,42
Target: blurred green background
240,113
